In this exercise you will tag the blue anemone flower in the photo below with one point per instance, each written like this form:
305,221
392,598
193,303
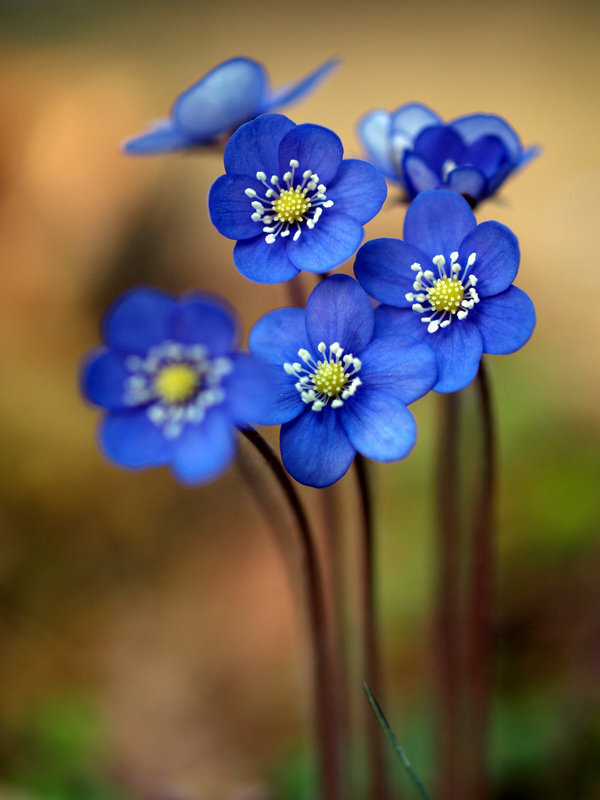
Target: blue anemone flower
229,95
471,155
449,284
172,384
290,200
341,387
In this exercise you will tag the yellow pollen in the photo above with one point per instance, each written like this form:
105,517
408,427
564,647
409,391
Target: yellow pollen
176,383
446,294
291,205
330,378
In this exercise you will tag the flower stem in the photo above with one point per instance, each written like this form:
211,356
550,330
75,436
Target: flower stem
481,600
447,672
379,785
326,720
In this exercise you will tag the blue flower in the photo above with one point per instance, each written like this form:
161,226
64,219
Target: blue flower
290,200
449,284
341,388
172,385
229,95
472,155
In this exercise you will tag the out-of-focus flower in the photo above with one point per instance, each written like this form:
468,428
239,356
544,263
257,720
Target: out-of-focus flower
172,384
449,284
341,387
229,95
290,200
471,155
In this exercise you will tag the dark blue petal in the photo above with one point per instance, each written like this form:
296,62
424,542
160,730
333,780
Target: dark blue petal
207,321
505,321
262,262
468,181
315,449
375,133
406,371
228,95
333,240
297,89
202,452
103,377
488,154
338,310
279,335
315,148
438,145
130,439
458,350
497,260
358,190
382,267
418,177
412,118
284,401
437,222
230,209
138,320
405,325
255,146
378,425
163,137
476,126
248,389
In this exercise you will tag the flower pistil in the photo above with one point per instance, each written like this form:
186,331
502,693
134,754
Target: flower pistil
328,380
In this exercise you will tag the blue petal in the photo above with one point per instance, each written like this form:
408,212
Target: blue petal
412,118
223,99
255,146
382,267
505,321
378,425
262,262
358,190
405,325
333,240
297,89
529,153
204,320
103,377
488,154
497,260
279,335
468,181
284,401
338,310
315,148
375,133
418,177
130,439
458,350
163,137
138,320
438,145
230,209
437,222
476,126
315,449
405,370
248,389
202,452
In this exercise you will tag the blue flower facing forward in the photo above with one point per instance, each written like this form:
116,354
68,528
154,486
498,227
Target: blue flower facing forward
341,387
229,95
449,284
472,155
290,200
172,385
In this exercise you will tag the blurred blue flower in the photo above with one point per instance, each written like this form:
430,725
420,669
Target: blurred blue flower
471,155
229,95
172,385
341,388
449,284
290,200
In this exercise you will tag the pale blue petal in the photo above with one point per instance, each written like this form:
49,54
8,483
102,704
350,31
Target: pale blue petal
358,190
255,146
298,89
333,240
207,321
139,319
497,257
279,335
458,350
231,210
476,126
378,425
203,451
338,310
132,440
437,222
315,148
162,137
405,369
505,321
262,262
383,269
375,133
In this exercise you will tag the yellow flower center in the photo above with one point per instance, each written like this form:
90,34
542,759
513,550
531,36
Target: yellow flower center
446,294
330,378
176,383
291,205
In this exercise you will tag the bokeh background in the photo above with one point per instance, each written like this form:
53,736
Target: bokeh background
149,642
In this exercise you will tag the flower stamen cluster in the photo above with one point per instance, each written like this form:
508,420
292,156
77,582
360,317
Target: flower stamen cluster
329,380
178,382
446,296
282,208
